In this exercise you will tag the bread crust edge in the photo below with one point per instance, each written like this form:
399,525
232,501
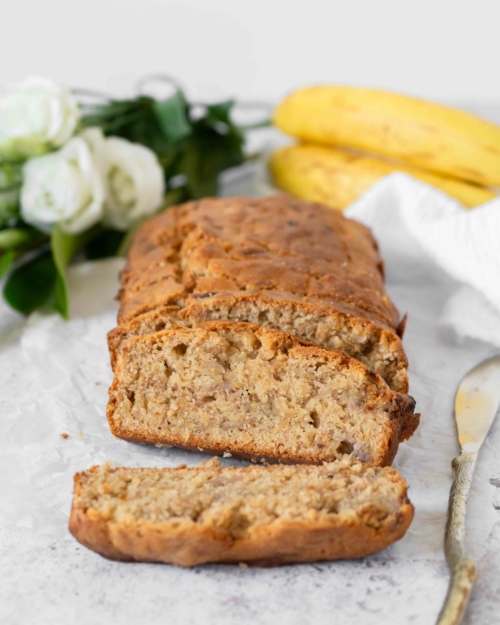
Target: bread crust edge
403,423
283,542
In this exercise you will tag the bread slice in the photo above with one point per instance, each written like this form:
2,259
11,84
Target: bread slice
377,348
277,262
255,393
260,515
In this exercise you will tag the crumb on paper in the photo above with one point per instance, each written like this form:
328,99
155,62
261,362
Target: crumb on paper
64,435
243,565
98,384
226,454
211,462
80,434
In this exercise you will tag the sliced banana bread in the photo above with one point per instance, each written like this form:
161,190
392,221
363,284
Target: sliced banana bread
260,515
256,393
276,262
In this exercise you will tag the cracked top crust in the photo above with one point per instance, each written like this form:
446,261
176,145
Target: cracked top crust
288,249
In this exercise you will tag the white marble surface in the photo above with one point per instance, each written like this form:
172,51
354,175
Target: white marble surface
48,386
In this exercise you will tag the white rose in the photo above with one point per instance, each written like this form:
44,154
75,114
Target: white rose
96,141
36,117
64,187
133,178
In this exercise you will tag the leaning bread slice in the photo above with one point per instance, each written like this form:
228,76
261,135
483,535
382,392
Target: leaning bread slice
377,348
260,515
255,393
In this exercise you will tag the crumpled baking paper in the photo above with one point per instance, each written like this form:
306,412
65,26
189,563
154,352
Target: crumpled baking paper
55,381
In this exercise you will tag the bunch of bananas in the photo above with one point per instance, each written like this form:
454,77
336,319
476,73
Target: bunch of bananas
351,137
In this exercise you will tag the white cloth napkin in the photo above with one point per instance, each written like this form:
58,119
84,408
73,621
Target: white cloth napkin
411,220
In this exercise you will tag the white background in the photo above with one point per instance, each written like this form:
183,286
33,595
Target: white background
260,49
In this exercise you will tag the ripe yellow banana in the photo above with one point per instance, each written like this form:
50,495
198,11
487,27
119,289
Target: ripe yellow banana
432,136
336,177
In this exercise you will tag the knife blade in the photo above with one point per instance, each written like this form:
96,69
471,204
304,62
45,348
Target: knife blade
476,404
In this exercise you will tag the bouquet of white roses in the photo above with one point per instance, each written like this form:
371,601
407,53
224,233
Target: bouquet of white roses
79,178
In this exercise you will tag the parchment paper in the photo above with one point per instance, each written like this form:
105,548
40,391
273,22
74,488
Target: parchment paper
55,382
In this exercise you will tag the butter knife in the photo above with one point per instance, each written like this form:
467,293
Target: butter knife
476,404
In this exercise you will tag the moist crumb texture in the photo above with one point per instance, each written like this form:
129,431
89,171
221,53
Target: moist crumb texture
261,515
227,387
275,262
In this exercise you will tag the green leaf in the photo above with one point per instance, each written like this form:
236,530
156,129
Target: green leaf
39,282
60,302
172,115
105,245
10,185
64,246
6,261
220,112
11,238
192,152
115,115
11,176
215,145
207,154
134,120
32,285
265,123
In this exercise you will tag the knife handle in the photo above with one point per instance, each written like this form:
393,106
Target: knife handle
463,569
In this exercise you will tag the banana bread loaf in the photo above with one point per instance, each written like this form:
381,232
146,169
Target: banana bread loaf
256,393
275,262
260,515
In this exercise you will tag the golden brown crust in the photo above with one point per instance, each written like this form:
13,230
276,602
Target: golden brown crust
284,541
400,407
278,249
288,542
275,244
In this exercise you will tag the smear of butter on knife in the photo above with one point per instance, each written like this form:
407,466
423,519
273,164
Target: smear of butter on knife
473,411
